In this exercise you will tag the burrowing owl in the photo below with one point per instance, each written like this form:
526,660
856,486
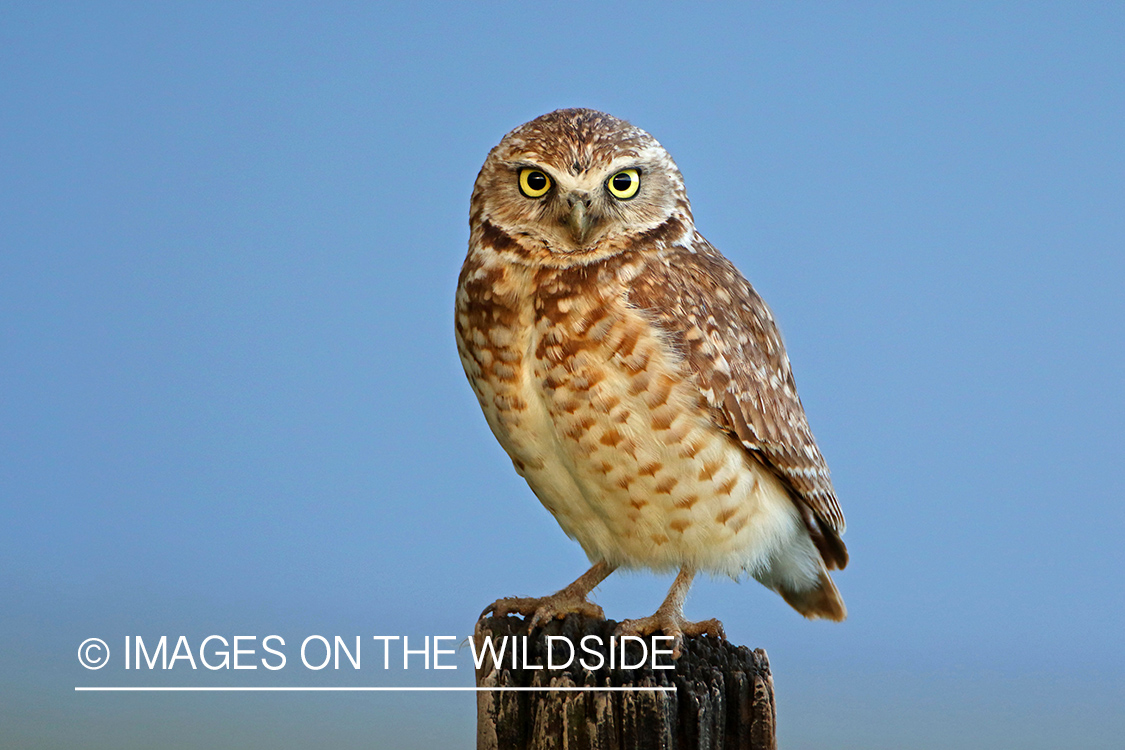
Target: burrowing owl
636,379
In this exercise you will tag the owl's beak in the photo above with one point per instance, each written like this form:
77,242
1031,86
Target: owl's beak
579,220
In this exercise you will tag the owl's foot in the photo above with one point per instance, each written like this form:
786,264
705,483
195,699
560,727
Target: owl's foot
545,608
673,624
669,618
559,604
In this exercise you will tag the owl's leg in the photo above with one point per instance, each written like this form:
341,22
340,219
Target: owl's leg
669,617
559,604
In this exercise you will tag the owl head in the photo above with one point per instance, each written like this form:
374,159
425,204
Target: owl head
576,185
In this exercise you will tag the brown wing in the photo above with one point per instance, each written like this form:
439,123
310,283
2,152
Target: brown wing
732,347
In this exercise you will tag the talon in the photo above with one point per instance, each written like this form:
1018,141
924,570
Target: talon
677,646
715,629
539,619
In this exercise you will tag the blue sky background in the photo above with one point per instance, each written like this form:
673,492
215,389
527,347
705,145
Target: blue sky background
230,401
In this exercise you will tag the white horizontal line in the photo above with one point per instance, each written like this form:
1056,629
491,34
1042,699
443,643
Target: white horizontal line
669,689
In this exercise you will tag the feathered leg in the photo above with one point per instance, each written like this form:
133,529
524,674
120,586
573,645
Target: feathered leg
669,617
559,604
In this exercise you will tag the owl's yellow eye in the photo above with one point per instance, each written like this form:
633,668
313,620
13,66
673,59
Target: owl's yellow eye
534,183
624,184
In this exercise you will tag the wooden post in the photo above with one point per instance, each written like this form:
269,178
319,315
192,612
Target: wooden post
723,699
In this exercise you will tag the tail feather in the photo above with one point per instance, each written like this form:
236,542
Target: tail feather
822,600
826,539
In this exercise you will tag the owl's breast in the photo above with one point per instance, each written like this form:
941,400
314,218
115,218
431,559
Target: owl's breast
601,417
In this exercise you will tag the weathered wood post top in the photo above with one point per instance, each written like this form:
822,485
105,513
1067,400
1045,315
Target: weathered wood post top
574,685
